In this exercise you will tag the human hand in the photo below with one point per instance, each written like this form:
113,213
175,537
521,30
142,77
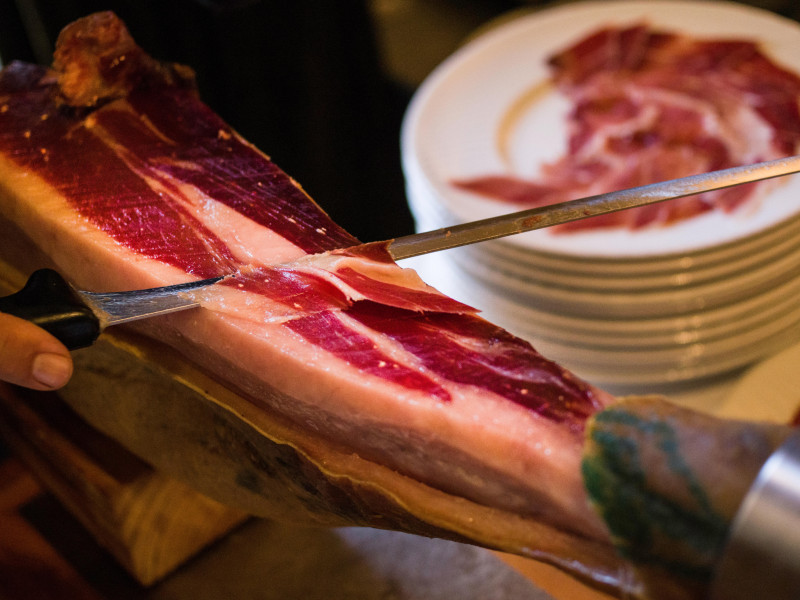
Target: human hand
31,357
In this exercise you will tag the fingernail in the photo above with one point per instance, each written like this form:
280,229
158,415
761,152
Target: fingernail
52,370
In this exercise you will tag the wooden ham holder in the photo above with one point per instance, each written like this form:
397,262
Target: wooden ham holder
149,522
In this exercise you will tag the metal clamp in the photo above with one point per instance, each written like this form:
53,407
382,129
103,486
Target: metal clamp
762,555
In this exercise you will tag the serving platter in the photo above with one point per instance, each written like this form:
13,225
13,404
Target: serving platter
488,109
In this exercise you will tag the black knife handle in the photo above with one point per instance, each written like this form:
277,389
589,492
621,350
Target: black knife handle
48,301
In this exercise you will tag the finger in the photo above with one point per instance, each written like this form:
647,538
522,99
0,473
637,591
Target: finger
31,357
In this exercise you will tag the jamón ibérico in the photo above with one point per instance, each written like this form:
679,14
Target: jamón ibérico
649,106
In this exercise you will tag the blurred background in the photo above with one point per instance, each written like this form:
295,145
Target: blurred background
320,86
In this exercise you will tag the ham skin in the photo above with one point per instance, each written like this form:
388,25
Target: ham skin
383,402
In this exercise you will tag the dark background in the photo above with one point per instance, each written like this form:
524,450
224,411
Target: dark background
320,86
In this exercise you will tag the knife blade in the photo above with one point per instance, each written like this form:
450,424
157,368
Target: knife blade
77,318
573,210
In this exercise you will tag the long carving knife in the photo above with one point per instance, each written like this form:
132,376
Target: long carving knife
574,210
77,318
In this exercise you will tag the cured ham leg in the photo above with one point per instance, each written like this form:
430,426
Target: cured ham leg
382,402
112,168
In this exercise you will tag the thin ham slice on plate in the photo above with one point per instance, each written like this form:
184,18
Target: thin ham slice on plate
386,402
649,105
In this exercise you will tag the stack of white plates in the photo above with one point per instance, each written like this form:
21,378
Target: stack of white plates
625,309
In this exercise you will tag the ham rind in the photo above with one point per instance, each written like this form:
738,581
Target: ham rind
669,481
650,106
116,172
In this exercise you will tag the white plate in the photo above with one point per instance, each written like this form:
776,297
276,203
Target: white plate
451,125
745,291
680,272
645,334
642,372
723,285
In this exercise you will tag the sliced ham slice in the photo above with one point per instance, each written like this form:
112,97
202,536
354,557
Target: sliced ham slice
380,401
650,106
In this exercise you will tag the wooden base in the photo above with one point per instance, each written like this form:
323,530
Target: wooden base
551,580
149,522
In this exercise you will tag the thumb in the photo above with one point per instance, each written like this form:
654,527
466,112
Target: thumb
31,357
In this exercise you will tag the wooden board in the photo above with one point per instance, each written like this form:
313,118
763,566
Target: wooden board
109,469
149,522
551,580
45,554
